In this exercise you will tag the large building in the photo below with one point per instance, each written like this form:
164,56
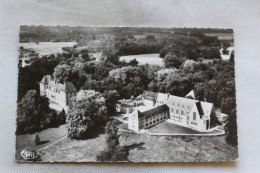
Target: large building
184,111
57,92
140,120
127,105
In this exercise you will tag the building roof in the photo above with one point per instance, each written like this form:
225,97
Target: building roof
207,108
186,104
191,95
162,96
150,94
200,110
156,110
181,103
67,86
149,98
46,79
138,98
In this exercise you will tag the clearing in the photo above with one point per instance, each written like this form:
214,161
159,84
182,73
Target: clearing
151,59
170,128
47,48
177,148
47,137
142,148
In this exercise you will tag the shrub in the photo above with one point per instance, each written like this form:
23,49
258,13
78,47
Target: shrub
36,139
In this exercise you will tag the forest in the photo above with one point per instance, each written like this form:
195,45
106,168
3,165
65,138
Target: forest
191,62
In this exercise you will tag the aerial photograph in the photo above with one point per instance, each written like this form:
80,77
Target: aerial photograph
126,94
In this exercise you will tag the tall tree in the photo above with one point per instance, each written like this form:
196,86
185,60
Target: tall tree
231,128
34,114
62,73
87,111
111,97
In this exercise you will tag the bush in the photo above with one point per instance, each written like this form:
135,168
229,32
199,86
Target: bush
36,139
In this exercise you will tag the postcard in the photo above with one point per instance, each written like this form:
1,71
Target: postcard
126,94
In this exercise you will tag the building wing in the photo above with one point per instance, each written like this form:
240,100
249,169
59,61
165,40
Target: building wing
152,112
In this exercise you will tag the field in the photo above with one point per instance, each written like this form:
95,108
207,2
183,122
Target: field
221,36
177,149
151,59
47,137
142,147
47,48
170,128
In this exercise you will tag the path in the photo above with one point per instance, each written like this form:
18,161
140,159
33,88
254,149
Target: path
53,142
144,131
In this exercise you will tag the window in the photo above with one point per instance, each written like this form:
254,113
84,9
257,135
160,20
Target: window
177,111
193,123
194,115
182,112
172,110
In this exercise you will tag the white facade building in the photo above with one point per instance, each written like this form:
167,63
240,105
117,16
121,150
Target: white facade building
57,92
184,111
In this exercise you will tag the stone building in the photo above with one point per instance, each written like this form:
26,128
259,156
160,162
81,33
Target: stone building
141,120
57,92
184,111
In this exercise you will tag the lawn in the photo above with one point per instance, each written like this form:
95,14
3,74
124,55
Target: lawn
70,150
177,148
170,128
47,136
144,148
47,48
152,59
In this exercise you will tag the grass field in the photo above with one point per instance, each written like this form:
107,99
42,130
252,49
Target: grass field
47,48
47,136
142,147
70,150
177,149
171,128
151,59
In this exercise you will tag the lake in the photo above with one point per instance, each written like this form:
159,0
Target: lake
151,59
47,48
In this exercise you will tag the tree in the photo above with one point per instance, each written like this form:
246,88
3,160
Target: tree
85,56
228,104
61,117
88,110
34,114
113,151
36,139
111,96
231,128
62,73
172,60
112,139
133,62
163,52
232,56
113,58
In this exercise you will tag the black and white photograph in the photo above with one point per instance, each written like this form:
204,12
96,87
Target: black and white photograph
126,94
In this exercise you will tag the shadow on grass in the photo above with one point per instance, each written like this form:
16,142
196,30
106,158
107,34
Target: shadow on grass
139,146
42,142
120,154
95,132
